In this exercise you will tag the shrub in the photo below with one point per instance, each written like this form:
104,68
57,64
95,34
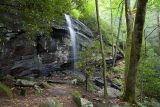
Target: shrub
148,76
5,89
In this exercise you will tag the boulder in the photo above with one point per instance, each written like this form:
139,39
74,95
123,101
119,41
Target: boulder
85,103
45,85
27,83
99,82
25,66
51,102
81,102
113,93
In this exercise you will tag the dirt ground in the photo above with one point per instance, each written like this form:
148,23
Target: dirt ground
61,91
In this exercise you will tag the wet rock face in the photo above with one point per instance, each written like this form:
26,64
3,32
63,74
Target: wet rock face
21,57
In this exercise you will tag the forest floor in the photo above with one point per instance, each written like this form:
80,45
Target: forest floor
32,99
63,92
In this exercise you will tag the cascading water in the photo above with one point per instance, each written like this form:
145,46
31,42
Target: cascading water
73,37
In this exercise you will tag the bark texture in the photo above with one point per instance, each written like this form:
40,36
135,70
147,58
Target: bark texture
158,22
102,49
129,23
137,35
119,31
112,29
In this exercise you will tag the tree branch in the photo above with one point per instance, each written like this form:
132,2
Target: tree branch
151,32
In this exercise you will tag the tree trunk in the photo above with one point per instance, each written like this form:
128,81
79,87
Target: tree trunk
129,23
122,41
112,29
135,51
117,39
102,49
158,22
145,43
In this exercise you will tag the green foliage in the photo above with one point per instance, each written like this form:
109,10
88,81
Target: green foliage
5,89
106,32
34,16
75,13
149,74
152,4
76,94
39,18
87,9
90,86
79,79
149,102
119,69
90,59
117,81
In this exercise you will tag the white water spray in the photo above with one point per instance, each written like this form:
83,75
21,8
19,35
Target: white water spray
73,37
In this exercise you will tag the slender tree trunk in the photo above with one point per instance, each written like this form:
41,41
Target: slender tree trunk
158,22
145,43
112,29
135,5
119,30
102,49
130,94
129,23
122,41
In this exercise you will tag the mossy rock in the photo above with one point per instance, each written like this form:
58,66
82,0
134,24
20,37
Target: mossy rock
76,94
85,103
51,102
81,102
79,79
45,85
117,81
29,78
76,97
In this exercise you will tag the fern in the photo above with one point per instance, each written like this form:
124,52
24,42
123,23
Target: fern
5,89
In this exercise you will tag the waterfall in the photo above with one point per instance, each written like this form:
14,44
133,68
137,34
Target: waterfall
73,37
